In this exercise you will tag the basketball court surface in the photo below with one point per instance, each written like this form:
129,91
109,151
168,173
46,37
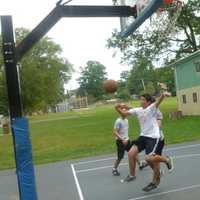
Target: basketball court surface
91,179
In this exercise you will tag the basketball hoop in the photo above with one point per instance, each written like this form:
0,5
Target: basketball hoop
167,2
166,18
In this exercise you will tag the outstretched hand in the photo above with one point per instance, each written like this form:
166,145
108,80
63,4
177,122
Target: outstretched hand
167,94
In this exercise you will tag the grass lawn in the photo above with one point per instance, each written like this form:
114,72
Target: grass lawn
73,135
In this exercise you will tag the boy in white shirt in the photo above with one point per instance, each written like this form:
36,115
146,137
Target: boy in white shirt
161,143
149,137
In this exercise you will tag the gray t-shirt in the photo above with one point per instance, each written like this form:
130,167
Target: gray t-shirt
122,126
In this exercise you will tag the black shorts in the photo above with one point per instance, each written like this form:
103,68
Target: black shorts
121,148
160,147
146,143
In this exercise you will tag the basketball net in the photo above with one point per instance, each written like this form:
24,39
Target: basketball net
165,19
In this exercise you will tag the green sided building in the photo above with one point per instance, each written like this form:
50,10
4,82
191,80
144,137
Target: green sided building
187,77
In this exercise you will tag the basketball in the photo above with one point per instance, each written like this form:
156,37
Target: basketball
110,86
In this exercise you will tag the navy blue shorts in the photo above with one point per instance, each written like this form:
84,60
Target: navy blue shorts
148,144
160,147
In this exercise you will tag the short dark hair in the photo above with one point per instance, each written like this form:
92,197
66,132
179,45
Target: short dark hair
148,97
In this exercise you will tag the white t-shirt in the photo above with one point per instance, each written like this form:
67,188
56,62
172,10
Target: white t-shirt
122,126
148,120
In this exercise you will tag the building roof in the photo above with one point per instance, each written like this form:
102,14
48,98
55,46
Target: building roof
185,59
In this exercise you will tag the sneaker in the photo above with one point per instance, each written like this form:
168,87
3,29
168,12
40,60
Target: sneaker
142,165
115,172
170,164
149,187
128,179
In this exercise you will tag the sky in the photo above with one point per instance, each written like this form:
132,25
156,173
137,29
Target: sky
81,39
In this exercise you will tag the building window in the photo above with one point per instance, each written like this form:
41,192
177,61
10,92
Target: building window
184,99
194,97
197,65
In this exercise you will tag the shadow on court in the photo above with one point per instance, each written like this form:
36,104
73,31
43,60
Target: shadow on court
91,179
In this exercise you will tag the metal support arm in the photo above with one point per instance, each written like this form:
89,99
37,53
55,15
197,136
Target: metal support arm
68,11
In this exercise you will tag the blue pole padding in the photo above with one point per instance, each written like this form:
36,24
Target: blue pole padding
145,14
24,160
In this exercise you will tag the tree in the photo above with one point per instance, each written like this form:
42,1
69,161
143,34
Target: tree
150,89
144,77
141,73
185,41
166,75
143,49
3,95
122,91
91,79
43,73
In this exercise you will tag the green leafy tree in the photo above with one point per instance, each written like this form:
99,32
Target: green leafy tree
122,91
150,88
166,75
141,73
91,79
3,95
43,72
147,43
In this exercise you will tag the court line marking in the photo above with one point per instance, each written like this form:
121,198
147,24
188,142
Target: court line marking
93,161
111,158
187,156
58,119
167,192
98,168
124,164
80,193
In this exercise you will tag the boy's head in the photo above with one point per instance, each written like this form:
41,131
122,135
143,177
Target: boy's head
123,107
146,100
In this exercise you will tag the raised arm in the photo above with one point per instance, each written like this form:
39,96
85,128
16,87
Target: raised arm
162,96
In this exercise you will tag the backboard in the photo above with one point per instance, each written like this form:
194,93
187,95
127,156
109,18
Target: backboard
126,21
143,9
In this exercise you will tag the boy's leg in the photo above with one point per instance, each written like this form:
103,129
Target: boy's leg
137,146
120,155
160,158
132,158
143,164
156,177
150,148
116,163
165,159
156,173
128,148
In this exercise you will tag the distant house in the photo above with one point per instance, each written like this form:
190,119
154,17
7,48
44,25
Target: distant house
72,103
62,107
78,102
187,77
